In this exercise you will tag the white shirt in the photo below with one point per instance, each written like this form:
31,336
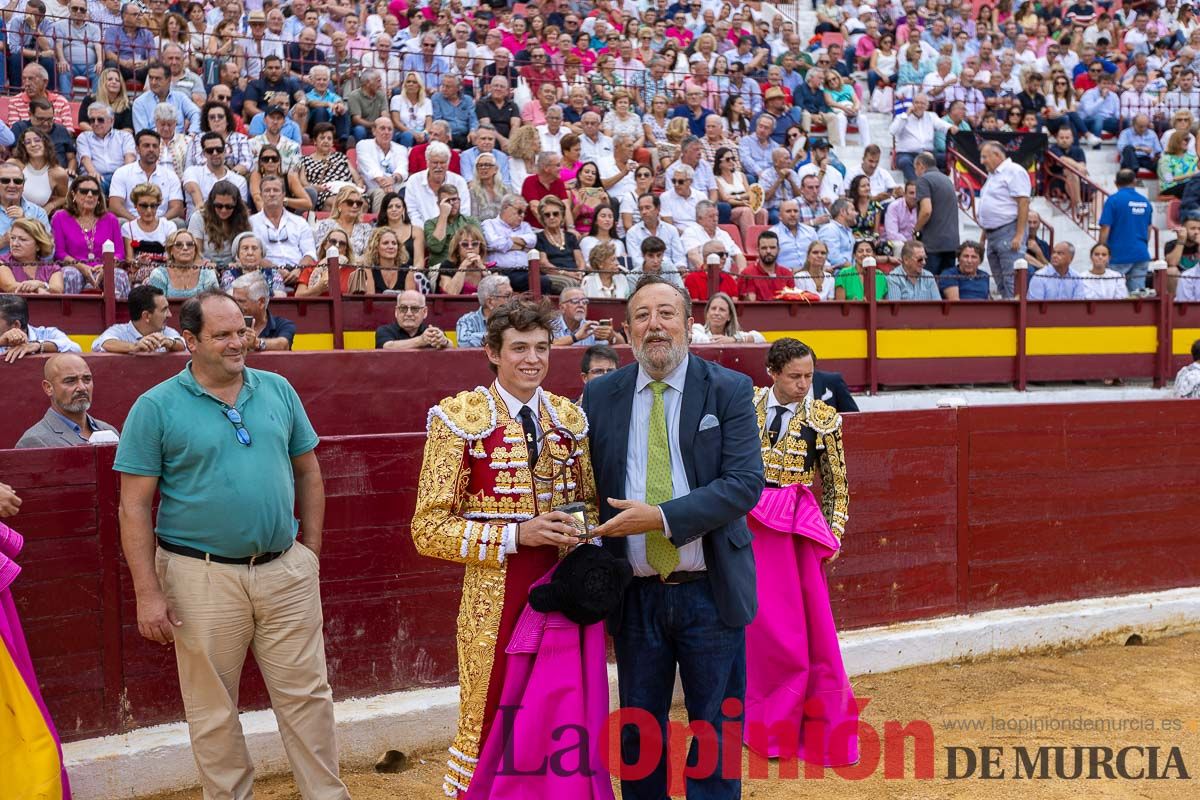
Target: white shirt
831,185
695,236
1109,286
285,244
882,181
788,410
373,163
126,332
998,197
681,210
691,555
552,142
915,134
422,201
126,177
47,333
514,406
591,150
203,177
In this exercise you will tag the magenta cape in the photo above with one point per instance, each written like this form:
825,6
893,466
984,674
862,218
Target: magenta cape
798,699
30,754
555,686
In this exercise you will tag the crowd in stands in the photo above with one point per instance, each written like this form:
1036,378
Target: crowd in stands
440,147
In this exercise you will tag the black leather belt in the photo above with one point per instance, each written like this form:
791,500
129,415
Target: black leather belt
676,578
190,552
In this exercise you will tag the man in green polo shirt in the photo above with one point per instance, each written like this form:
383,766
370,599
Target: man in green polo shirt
231,452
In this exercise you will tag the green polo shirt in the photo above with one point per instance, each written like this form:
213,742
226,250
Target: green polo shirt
218,495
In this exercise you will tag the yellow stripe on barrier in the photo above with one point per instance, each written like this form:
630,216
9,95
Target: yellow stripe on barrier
848,344
948,343
360,340
84,340
1099,340
313,341
1181,340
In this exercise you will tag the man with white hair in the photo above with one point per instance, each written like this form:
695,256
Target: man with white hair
493,291
1003,214
510,238
427,63
103,149
266,331
385,61
485,142
679,201
592,142
421,190
913,132
457,109
553,131
499,109
382,162
410,331
705,229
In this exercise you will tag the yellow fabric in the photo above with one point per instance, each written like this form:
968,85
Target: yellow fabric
29,763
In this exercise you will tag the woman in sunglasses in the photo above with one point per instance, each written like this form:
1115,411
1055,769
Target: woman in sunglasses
80,231
110,90
314,281
45,180
562,259
28,268
218,118
185,274
463,268
146,235
218,222
298,200
348,218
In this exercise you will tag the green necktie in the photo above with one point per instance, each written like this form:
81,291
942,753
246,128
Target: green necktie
660,553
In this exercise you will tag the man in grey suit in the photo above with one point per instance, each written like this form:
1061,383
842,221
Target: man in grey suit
67,381
676,454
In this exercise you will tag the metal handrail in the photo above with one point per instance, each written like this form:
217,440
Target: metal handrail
968,195
1087,213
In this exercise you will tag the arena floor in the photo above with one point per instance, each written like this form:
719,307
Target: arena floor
1143,696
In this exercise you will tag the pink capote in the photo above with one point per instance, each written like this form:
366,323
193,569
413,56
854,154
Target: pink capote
795,678
13,639
557,675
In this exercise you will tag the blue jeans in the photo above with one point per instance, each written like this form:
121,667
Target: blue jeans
1098,125
1135,274
406,138
662,626
1001,257
904,162
341,122
77,70
724,213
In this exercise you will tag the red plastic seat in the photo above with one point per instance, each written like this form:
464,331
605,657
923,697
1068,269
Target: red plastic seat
734,234
751,247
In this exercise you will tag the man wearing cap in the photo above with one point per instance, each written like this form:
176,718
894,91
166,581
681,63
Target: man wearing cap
785,116
259,44
819,164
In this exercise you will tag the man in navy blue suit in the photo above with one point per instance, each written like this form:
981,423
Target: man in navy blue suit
831,389
676,453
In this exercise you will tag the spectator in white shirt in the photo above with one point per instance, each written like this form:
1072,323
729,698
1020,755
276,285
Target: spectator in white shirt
198,181
287,239
914,134
147,330
420,192
382,162
679,204
593,143
103,149
1100,282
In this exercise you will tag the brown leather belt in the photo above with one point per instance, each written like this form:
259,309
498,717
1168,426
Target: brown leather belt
676,578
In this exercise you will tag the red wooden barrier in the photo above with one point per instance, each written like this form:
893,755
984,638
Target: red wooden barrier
952,511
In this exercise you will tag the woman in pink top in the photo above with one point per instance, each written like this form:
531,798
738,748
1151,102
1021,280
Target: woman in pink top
80,230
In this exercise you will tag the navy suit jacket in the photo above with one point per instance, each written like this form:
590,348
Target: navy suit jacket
831,389
724,470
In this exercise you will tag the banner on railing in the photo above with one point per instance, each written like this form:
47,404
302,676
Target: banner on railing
1023,148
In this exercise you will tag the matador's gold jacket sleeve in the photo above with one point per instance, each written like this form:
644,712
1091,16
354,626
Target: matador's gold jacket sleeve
439,528
831,461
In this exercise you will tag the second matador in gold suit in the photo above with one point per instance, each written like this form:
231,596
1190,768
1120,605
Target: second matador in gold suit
475,488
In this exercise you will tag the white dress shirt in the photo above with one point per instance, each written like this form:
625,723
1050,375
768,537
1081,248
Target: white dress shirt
915,134
514,406
999,195
788,410
422,201
691,555
373,163
286,243
127,177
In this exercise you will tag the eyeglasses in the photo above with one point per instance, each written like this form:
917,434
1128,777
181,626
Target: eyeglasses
184,244
472,245
239,430
353,203
680,181
225,206
596,372
275,237
410,309
88,192
146,206
268,159
577,301
212,151
8,181
97,120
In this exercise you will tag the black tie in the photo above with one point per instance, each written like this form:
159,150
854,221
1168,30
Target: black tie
776,425
530,434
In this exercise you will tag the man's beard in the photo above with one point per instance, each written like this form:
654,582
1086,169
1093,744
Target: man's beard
662,363
79,406
765,263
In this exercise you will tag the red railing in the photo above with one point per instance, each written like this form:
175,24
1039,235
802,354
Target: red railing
1075,194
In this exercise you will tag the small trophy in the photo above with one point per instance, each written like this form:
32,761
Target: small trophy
556,469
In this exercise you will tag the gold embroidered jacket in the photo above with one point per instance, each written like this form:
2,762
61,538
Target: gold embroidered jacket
812,442
475,487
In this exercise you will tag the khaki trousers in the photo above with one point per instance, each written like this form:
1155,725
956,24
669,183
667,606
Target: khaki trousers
274,610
